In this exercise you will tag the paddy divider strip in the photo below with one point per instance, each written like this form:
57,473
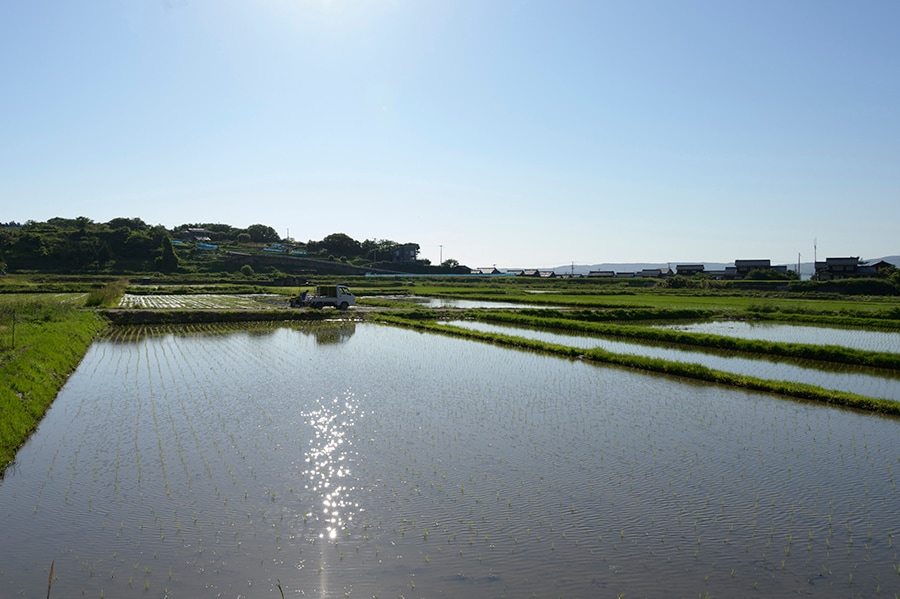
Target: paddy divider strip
681,369
822,353
884,323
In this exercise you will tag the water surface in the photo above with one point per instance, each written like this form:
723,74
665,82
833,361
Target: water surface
879,383
878,341
448,302
382,462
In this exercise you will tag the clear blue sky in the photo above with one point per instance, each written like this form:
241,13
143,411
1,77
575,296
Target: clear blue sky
516,133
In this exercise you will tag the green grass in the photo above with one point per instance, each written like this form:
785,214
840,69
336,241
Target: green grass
798,351
588,294
108,295
42,340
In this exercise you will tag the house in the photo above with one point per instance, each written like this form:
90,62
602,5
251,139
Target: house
405,253
838,268
486,270
601,274
873,270
194,234
546,274
744,267
883,264
689,270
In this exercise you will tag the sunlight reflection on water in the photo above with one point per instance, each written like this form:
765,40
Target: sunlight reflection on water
329,461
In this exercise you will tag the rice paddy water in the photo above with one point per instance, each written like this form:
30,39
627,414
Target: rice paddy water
385,462
871,382
879,341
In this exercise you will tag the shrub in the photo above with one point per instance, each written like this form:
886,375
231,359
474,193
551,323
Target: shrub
108,295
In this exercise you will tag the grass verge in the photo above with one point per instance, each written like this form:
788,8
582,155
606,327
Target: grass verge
42,340
800,351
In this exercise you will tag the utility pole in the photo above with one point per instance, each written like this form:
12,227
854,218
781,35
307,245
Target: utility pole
441,255
815,259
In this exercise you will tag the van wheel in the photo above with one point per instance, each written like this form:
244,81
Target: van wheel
344,305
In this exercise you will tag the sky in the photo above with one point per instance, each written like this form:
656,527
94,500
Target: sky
513,133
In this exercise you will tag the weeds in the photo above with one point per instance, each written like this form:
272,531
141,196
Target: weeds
50,339
107,296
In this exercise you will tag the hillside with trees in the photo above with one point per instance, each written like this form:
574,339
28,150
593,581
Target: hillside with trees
131,246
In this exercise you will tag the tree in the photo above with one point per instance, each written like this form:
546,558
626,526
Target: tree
450,263
132,224
138,246
262,233
770,274
82,222
378,249
168,261
104,255
886,272
340,244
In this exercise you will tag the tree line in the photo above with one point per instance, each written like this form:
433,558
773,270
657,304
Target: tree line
132,245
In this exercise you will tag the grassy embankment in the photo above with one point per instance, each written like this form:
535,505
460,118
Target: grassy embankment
586,322
42,340
424,320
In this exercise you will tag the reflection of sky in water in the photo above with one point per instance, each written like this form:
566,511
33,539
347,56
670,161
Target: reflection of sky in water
329,461
883,341
446,302
849,378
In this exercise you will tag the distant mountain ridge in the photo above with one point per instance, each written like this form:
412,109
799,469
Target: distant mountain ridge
806,268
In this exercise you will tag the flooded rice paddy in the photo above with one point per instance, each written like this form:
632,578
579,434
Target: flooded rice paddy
466,304
364,460
878,383
879,341
204,301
